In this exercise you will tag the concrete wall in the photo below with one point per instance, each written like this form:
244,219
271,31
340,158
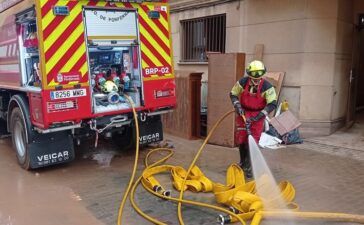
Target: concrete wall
310,40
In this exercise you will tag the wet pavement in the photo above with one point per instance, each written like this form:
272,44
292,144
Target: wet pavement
352,138
89,190
28,198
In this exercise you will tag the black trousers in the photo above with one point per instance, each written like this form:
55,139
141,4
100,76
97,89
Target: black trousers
244,155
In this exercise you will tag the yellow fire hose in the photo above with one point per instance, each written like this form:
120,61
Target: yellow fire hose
161,195
237,194
122,204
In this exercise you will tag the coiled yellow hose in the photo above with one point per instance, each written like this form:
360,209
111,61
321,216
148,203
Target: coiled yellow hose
132,185
236,193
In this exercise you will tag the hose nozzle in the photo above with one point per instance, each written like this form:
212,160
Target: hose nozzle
223,219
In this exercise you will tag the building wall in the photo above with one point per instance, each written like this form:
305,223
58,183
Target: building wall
310,40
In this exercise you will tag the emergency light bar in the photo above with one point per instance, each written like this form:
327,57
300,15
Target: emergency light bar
61,10
153,14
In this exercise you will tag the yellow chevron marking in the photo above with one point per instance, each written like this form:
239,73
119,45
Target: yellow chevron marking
120,4
150,55
84,68
75,57
43,2
64,47
49,17
164,22
52,83
144,64
155,44
85,2
61,27
154,27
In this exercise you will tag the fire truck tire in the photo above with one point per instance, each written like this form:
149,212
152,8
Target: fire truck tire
19,137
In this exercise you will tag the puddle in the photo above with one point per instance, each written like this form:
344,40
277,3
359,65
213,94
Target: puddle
103,158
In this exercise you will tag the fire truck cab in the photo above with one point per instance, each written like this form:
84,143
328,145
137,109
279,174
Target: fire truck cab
67,67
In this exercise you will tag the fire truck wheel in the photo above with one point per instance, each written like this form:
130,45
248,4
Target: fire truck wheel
18,130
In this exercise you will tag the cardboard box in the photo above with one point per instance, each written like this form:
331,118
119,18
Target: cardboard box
285,122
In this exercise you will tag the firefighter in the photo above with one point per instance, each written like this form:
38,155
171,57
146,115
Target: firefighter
253,97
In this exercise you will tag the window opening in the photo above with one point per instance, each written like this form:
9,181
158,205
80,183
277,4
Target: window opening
203,35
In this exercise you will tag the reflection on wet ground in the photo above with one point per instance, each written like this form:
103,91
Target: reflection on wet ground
27,198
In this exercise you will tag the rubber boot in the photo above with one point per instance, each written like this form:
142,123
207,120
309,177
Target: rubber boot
245,163
242,153
248,171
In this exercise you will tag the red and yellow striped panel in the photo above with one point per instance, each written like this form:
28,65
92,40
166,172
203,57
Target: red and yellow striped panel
155,44
63,41
64,47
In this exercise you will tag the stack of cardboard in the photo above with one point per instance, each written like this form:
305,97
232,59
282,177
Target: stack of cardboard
285,123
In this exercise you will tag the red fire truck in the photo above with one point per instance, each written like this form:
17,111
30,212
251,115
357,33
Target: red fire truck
66,67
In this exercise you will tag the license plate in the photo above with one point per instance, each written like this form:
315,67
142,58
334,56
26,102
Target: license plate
68,94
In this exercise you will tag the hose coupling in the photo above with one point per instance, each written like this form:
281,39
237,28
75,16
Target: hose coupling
234,210
167,193
224,219
113,97
157,188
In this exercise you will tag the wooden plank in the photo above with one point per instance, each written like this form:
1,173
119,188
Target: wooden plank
258,52
276,79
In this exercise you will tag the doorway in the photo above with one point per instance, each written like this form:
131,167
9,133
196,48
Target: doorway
356,96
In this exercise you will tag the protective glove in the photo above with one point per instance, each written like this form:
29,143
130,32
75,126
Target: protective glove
238,109
236,103
248,125
255,118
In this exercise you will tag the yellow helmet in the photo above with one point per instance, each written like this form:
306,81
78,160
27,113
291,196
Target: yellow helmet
109,86
256,69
